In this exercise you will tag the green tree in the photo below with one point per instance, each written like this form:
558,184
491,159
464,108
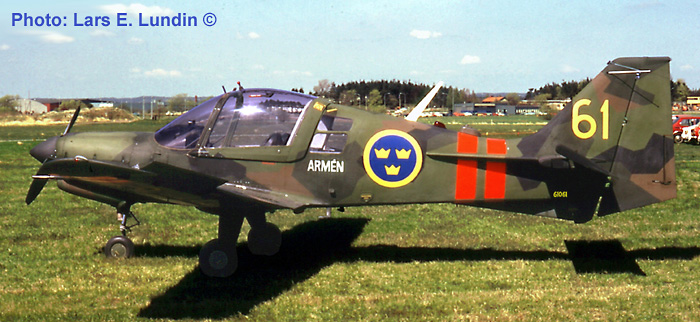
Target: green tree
180,102
547,111
348,97
374,102
679,90
559,91
374,98
390,100
513,98
8,103
72,105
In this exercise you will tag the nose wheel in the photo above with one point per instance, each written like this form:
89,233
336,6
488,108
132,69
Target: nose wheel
122,246
119,247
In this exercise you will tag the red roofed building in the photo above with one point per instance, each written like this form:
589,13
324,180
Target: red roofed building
493,99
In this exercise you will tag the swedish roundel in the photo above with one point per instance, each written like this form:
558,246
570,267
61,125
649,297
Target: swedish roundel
392,158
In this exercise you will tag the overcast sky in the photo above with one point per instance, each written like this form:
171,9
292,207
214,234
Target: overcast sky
486,46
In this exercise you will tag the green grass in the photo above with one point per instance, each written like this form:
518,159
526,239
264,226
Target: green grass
394,263
34,133
498,126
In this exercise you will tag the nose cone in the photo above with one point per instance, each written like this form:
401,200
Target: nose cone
44,150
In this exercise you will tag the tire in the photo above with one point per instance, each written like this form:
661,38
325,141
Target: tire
218,259
677,138
119,247
265,240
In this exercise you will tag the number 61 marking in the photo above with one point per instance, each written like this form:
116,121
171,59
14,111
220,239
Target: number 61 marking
577,118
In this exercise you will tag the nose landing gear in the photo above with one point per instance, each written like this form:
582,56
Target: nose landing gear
119,247
122,246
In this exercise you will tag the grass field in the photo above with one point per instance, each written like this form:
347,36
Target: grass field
394,263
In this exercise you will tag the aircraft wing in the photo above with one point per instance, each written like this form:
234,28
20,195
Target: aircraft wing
156,181
80,167
267,197
83,167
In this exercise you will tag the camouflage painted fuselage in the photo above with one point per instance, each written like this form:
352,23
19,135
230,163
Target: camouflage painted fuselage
608,151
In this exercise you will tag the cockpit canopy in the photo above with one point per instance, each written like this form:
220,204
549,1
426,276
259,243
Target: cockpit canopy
248,118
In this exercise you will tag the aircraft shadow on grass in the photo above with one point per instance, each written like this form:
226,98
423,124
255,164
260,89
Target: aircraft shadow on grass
309,247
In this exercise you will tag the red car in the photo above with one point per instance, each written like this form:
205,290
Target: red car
681,121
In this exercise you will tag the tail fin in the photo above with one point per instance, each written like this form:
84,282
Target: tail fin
617,130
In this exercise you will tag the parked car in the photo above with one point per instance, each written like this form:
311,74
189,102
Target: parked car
690,134
681,121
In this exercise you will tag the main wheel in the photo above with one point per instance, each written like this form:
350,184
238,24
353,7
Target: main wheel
265,240
119,247
218,259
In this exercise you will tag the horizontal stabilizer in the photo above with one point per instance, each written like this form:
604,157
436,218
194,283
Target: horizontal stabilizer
580,160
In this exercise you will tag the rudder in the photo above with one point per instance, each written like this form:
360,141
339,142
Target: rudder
618,130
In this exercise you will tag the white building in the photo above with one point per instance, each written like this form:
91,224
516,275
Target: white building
28,106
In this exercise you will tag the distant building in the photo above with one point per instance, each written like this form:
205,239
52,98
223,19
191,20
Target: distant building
97,103
495,100
693,101
558,104
28,106
527,109
493,108
51,104
483,108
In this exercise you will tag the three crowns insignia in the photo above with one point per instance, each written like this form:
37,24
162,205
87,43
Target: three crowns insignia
383,153
392,170
402,154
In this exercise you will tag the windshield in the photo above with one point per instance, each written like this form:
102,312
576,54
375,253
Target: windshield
258,117
184,131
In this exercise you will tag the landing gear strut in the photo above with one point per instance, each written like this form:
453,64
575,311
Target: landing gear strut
218,257
122,246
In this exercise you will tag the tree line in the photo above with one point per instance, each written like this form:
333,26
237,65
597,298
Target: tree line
568,89
383,94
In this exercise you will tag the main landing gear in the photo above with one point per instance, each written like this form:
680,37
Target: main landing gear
218,257
122,246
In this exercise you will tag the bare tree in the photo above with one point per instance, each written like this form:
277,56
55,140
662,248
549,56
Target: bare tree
323,88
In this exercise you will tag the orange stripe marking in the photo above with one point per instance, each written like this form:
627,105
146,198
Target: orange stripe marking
496,146
495,180
495,177
467,143
465,184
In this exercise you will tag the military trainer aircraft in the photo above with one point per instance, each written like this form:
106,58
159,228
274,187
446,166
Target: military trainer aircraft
253,151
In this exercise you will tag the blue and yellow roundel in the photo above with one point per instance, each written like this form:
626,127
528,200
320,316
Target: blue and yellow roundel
392,158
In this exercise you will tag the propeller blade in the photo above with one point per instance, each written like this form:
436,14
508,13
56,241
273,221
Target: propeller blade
35,189
72,121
